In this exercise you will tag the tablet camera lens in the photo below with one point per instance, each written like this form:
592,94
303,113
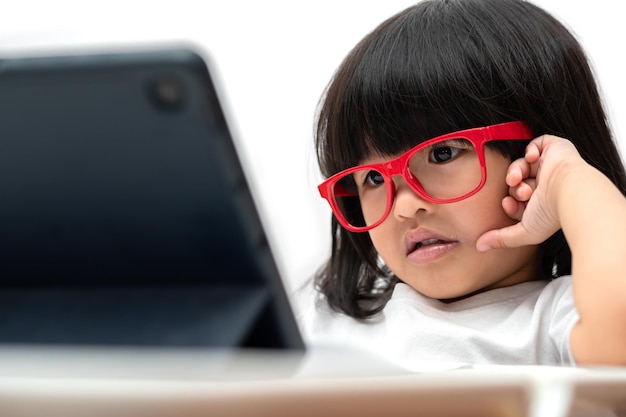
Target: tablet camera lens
168,93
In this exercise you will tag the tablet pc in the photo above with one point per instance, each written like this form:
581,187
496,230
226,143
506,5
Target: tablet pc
126,217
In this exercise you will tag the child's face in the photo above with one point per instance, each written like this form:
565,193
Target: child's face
447,264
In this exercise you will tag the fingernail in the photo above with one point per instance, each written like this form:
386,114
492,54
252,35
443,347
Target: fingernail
483,247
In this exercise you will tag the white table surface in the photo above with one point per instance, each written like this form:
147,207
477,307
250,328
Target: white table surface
72,382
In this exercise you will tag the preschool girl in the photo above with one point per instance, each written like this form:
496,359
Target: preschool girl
477,194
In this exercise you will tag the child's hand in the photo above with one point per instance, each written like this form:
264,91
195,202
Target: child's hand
533,182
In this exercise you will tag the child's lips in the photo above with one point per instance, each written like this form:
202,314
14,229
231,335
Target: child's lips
423,237
424,246
432,252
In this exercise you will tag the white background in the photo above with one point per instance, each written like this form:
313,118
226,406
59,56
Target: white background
274,58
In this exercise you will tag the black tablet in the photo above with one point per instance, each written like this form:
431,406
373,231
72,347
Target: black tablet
125,215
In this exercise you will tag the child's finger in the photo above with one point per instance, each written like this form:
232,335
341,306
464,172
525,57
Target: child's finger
533,150
524,190
517,171
507,237
513,208
533,154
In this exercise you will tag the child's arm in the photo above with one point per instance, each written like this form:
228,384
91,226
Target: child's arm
552,188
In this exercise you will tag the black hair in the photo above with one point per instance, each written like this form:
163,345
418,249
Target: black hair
446,65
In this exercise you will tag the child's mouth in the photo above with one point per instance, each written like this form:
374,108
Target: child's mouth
432,249
428,242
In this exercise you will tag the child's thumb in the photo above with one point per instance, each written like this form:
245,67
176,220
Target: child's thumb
507,237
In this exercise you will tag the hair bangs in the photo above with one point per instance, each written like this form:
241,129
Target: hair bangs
408,81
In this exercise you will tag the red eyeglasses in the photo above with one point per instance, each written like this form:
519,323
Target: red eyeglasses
441,170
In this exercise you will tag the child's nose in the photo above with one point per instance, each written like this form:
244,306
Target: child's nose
407,203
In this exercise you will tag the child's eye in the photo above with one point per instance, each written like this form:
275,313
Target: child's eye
373,179
446,151
443,154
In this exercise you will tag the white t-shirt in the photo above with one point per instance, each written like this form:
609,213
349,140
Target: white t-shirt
525,324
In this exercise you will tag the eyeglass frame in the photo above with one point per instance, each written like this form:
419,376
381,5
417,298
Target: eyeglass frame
399,166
